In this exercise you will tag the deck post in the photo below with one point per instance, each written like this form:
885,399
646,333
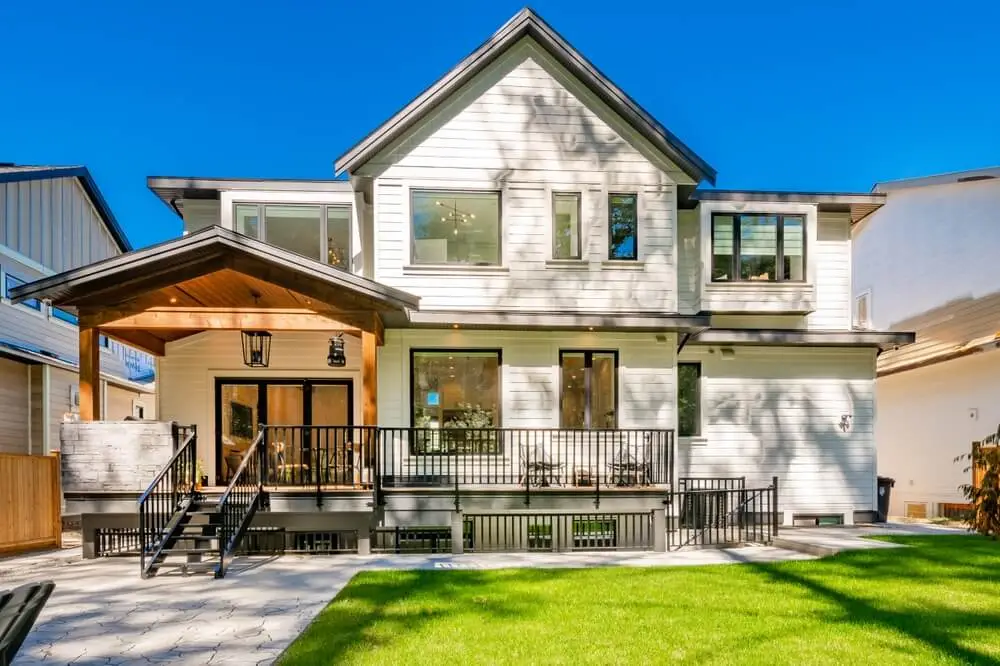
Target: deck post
457,536
369,378
90,374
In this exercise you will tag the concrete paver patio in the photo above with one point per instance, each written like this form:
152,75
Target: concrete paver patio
102,613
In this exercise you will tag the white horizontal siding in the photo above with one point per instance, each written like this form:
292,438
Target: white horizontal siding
688,263
200,214
53,222
186,375
530,381
525,127
14,416
777,412
832,254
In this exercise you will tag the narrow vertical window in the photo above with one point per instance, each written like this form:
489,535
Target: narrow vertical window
566,225
248,220
623,226
689,399
338,236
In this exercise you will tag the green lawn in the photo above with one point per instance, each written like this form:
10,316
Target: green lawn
936,602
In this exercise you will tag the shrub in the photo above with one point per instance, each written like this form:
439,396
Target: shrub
984,496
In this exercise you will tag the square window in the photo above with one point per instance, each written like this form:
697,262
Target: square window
455,227
566,225
623,226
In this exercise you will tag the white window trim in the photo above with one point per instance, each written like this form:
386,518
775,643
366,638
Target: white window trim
256,200
811,214
866,325
550,195
43,307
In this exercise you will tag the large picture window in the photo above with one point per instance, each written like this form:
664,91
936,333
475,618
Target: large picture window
589,389
455,227
455,395
758,247
320,232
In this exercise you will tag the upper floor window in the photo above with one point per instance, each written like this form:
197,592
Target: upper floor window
589,395
63,315
623,226
455,227
758,247
10,282
566,225
320,232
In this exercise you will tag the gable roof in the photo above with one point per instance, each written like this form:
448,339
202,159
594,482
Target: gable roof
14,173
527,23
969,176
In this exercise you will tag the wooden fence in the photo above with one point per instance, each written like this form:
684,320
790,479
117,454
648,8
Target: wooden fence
30,503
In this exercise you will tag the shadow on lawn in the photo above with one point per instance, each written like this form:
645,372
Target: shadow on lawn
961,560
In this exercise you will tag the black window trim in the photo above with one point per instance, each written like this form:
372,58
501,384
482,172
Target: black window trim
588,364
457,190
324,224
697,420
635,249
458,351
578,252
780,258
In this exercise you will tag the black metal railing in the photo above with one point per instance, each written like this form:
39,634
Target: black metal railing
432,539
240,501
161,506
113,541
558,532
525,458
726,514
332,456
180,433
686,483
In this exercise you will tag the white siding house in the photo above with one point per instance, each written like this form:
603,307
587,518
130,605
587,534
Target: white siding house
53,219
925,262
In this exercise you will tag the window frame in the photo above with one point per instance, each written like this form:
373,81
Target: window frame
635,250
577,255
865,325
324,228
67,318
734,257
588,365
699,426
458,351
31,303
445,191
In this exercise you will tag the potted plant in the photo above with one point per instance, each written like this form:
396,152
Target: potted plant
476,429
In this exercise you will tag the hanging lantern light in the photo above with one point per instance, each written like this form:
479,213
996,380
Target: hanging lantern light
256,349
337,358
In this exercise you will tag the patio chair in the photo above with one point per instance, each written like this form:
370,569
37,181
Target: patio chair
19,609
538,469
631,463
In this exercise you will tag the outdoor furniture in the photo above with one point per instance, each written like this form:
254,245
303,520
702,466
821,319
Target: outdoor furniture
538,468
19,608
631,468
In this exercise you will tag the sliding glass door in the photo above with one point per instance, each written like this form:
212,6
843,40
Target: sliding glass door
242,404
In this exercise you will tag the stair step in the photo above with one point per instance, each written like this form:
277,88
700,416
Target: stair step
191,551
188,567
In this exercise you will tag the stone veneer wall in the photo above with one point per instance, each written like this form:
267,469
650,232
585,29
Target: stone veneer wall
113,456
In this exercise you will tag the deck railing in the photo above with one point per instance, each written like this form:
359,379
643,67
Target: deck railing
240,501
170,489
458,459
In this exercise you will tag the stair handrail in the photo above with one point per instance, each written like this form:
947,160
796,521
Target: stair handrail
159,505
240,500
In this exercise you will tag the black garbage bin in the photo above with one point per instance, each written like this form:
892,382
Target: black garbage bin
885,485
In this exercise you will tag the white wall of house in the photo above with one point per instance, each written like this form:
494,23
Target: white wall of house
770,411
929,416
530,379
926,247
53,223
186,374
526,128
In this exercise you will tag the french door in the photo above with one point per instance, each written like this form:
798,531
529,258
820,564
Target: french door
242,404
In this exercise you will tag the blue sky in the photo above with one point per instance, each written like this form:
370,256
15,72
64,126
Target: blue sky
818,95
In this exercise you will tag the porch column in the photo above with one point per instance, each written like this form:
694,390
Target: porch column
369,378
90,374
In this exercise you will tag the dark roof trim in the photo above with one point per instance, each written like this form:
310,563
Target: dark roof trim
789,197
171,188
527,23
67,286
89,186
760,336
558,321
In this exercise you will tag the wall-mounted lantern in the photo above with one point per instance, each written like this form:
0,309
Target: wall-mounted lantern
256,349
337,358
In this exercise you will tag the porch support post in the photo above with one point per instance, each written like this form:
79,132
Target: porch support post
369,378
90,375
457,536
659,530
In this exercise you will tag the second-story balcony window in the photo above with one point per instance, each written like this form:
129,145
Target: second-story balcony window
455,227
758,247
320,232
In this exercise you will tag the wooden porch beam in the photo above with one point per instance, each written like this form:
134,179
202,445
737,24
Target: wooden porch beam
90,374
369,378
147,342
203,319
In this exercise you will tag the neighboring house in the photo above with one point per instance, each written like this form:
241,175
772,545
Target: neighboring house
54,219
926,262
523,256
